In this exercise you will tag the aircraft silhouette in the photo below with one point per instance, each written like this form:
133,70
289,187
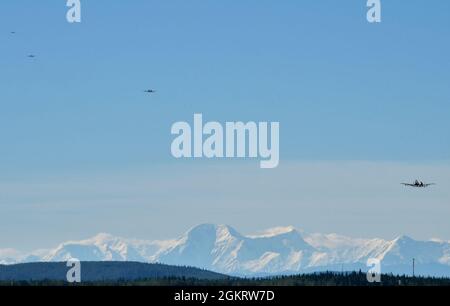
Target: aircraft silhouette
31,56
149,91
418,184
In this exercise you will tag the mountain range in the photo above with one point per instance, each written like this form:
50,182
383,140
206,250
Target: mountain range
283,250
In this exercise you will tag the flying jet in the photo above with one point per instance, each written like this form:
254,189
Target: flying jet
149,91
31,56
418,184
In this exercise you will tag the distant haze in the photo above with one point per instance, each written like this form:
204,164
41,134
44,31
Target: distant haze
359,199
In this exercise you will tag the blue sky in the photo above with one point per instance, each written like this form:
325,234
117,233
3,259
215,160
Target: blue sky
341,88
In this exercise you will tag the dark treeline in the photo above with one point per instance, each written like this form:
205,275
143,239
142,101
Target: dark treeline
100,271
316,279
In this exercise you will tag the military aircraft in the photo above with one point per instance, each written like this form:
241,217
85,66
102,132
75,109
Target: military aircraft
418,184
31,56
149,91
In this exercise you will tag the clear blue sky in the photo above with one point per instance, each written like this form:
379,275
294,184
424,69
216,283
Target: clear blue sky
341,88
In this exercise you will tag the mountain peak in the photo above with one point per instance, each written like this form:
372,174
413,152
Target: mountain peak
219,231
276,231
403,239
102,238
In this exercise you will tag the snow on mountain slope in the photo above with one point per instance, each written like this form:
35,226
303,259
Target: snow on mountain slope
284,251
204,246
404,248
8,256
340,249
279,250
104,247
221,248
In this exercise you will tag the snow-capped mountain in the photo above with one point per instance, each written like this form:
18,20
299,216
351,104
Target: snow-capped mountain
276,251
221,248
